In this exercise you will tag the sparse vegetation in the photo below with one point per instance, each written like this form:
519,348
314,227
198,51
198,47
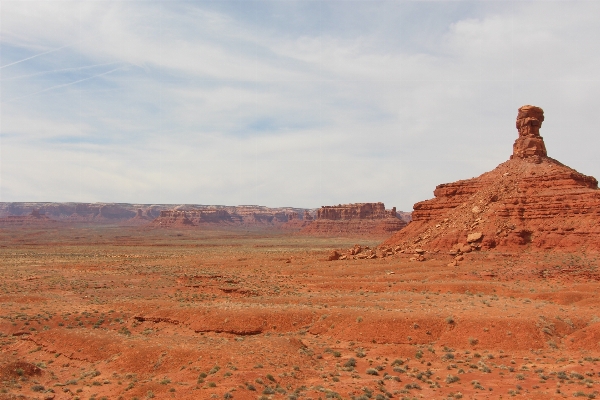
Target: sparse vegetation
205,283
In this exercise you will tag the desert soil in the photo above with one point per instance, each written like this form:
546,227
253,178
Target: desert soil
125,313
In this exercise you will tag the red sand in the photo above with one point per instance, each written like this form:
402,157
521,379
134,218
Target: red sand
105,312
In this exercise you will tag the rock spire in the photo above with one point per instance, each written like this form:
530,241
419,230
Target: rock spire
529,144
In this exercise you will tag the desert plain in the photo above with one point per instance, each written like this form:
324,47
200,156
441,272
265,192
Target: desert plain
112,312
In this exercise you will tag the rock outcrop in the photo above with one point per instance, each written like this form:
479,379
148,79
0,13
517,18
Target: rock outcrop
355,211
529,202
231,216
83,212
529,144
34,218
355,219
158,214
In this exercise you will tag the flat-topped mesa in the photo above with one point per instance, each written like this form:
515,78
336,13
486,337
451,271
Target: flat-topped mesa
529,144
355,219
284,217
355,211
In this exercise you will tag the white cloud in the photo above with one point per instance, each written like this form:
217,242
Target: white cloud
275,104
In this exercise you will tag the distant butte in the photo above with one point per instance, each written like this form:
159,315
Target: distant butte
358,218
232,216
529,202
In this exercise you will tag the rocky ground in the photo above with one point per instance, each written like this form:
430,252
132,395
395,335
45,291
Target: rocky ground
125,313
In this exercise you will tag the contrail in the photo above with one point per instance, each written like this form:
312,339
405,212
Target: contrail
64,84
59,70
45,52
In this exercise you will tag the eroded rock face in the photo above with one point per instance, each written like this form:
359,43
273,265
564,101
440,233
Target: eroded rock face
34,218
307,216
230,215
355,211
528,202
83,212
529,144
358,218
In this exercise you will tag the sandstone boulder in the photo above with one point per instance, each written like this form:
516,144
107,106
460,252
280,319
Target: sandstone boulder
334,255
474,237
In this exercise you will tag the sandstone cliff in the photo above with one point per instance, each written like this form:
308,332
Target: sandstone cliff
528,202
257,216
34,218
155,214
355,219
83,212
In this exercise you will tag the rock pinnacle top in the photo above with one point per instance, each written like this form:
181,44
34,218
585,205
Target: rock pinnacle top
529,144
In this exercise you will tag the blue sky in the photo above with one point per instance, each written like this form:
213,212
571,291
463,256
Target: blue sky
285,103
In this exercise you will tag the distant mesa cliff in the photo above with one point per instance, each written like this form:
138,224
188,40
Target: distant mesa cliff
233,216
33,218
154,214
82,212
355,211
355,219
367,218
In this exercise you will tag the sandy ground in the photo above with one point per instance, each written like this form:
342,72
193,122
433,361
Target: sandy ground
134,313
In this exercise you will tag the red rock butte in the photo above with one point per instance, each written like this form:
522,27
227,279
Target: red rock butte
234,216
530,202
358,218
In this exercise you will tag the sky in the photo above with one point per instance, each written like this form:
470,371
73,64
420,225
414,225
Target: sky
285,103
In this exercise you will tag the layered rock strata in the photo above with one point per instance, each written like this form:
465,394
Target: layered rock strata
355,219
529,144
232,216
156,214
84,212
355,211
528,202
34,218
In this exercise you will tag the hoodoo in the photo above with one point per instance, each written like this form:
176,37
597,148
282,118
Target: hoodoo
529,202
529,144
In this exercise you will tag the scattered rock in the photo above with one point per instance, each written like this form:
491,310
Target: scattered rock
474,237
334,255
465,249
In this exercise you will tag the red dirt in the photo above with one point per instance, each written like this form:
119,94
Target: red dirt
107,312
